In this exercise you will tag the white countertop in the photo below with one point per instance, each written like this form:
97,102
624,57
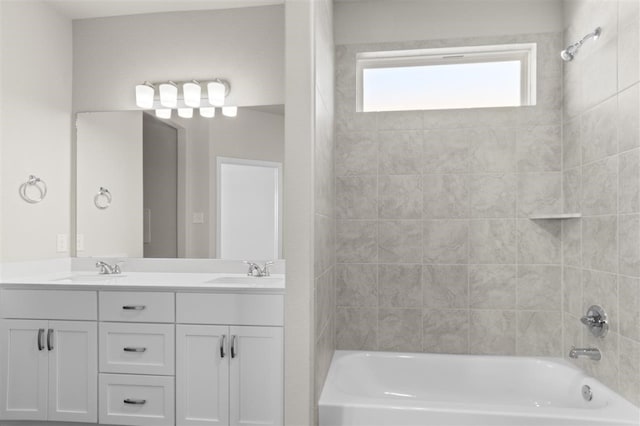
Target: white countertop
160,281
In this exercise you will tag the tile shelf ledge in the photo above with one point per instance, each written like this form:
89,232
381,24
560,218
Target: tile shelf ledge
555,216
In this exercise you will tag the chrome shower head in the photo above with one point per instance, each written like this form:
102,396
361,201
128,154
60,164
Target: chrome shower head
570,52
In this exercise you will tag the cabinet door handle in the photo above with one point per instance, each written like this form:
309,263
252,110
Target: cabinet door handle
134,307
130,349
234,352
40,339
135,401
50,339
222,339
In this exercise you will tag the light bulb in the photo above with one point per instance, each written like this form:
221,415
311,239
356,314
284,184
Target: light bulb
207,112
163,113
185,112
217,92
191,92
230,111
144,95
168,95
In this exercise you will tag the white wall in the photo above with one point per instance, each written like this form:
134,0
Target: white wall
36,122
372,21
244,46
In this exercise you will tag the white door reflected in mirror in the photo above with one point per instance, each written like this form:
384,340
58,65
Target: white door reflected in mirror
249,205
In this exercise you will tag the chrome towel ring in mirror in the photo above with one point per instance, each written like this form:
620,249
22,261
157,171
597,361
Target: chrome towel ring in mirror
34,182
102,200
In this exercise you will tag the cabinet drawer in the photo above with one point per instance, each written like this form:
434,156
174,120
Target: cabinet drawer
49,304
136,400
234,309
136,306
137,348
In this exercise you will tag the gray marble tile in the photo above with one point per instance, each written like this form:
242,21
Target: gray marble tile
445,331
629,245
628,14
356,285
445,196
356,154
572,190
571,144
324,300
400,152
608,368
629,182
540,287
446,151
492,241
357,241
347,122
600,71
324,244
400,241
601,288
629,118
539,193
400,120
572,242
539,149
492,333
357,197
400,329
600,187
538,334
492,195
630,370
445,286
572,290
400,286
628,54
492,286
599,130
492,150
600,243
357,328
572,328
539,241
629,305
400,197
445,241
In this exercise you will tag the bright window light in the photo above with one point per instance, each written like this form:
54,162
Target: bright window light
450,78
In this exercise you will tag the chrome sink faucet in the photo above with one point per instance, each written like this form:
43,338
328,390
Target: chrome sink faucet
107,269
256,271
591,353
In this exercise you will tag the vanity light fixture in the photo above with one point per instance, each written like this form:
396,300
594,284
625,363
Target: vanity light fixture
144,95
169,95
230,111
185,112
163,113
217,91
192,91
207,112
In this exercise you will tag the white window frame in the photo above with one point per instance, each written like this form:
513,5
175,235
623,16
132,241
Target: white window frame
525,53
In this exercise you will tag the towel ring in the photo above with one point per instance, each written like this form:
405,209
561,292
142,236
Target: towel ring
102,200
36,182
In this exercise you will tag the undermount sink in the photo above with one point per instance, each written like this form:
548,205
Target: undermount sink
90,278
245,280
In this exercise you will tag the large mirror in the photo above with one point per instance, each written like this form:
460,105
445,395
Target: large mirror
194,188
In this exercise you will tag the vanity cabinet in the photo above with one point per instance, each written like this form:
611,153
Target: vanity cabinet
229,371
48,367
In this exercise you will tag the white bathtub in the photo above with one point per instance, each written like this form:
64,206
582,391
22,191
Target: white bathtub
402,389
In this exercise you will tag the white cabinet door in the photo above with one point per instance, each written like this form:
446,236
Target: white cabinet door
23,370
202,375
256,378
73,371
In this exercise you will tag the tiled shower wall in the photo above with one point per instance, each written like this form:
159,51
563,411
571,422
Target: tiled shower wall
601,254
435,251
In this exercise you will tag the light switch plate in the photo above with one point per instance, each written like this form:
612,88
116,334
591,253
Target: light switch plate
80,242
62,243
198,217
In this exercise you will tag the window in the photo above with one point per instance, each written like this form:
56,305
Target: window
447,78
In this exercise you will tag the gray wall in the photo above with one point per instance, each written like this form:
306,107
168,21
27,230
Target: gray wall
601,251
435,251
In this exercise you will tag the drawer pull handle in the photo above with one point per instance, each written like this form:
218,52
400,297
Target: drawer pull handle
129,349
222,339
234,352
50,339
135,401
40,339
134,307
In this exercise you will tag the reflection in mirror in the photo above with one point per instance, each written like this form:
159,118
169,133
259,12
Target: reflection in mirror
162,179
